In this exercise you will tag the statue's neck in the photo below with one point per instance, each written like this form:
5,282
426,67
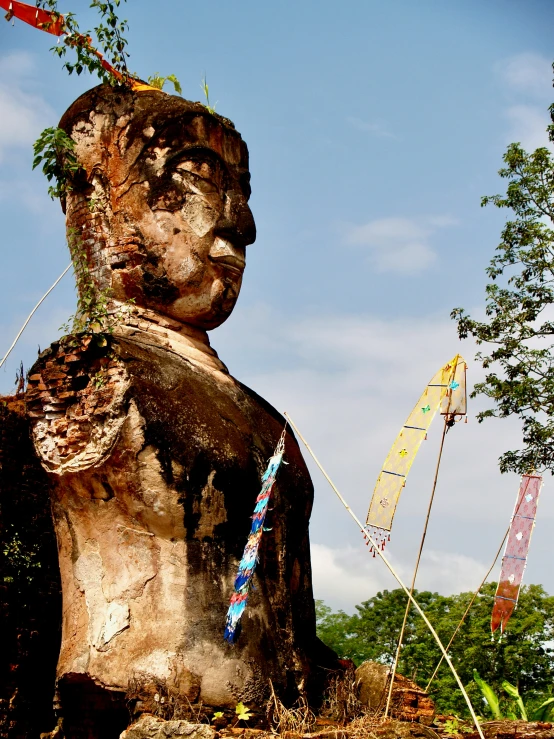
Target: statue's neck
148,326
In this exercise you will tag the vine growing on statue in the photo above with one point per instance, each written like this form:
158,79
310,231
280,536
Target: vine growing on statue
55,150
92,316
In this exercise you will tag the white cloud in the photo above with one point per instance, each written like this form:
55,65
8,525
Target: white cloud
399,245
527,81
24,113
527,74
346,576
528,126
376,128
349,383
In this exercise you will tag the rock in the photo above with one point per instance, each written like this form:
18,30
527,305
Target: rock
396,729
409,701
506,729
152,727
372,684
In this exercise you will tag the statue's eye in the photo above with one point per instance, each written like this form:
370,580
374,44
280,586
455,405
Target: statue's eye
200,174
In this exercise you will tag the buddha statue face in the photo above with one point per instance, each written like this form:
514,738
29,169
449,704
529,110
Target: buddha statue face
161,202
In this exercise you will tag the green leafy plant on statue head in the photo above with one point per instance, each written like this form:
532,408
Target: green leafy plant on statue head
206,90
157,81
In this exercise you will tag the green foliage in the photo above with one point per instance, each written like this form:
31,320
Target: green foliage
92,316
513,692
333,628
524,655
519,299
56,151
24,560
243,712
542,713
109,40
455,726
206,91
489,695
158,82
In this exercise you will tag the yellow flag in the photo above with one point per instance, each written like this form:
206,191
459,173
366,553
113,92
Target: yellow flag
446,392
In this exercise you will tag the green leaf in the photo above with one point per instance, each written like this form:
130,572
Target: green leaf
543,711
489,695
243,713
513,692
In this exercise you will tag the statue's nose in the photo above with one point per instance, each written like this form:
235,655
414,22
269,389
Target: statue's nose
237,222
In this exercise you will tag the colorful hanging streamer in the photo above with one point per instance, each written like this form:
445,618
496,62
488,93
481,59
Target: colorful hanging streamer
250,555
447,392
54,23
515,554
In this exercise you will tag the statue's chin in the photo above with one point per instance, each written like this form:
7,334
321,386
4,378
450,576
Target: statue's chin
217,310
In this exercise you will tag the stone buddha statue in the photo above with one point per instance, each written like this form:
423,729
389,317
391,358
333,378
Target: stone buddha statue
154,451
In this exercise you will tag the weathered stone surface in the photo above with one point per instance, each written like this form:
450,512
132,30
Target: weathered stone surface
396,729
152,727
372,684
154,452
409,702
505,729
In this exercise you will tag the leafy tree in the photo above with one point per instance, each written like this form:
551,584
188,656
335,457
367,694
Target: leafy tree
333,628
523,655
519,323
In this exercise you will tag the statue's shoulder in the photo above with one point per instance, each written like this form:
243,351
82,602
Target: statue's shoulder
76,402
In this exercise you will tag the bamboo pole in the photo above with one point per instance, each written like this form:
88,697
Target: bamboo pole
475,594
391,569
416,568
32,313
471,602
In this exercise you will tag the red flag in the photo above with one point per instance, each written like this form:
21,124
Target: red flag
37,17
53,23
515,554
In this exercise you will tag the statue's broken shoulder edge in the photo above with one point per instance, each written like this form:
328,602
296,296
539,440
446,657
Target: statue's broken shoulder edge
75,400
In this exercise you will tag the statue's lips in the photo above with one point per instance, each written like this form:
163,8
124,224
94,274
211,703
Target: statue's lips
230,262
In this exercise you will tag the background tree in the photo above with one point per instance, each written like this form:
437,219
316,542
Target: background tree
523,656
519,309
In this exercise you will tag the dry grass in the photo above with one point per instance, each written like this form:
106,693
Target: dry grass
340,701
364,726
147,694
299,719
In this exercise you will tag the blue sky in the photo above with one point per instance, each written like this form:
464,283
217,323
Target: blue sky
373,129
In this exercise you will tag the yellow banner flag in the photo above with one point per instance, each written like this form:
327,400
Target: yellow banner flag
445,393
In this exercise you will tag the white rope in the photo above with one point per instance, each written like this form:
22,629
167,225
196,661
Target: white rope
391,569
31,314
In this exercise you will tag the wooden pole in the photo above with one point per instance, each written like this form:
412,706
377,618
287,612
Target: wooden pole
391,569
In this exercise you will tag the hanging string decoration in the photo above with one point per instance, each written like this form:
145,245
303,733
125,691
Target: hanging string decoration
516,551
54,23
445,393
249,559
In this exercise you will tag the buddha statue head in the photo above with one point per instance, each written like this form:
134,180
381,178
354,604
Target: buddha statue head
160,202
